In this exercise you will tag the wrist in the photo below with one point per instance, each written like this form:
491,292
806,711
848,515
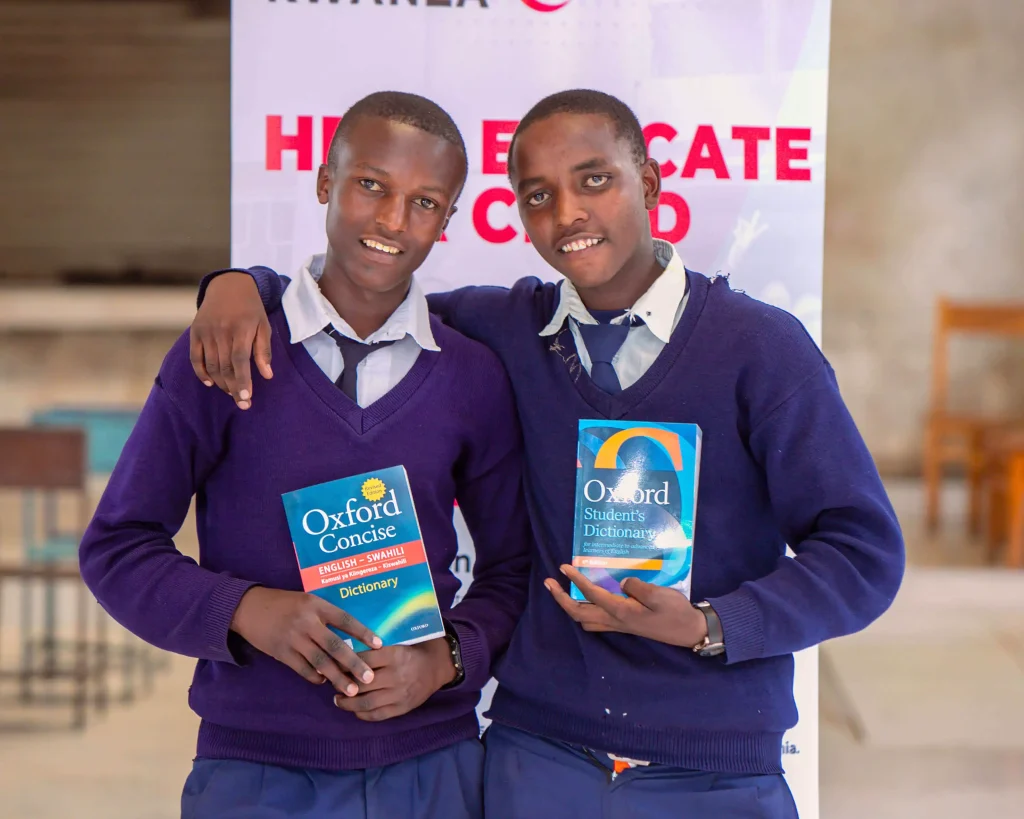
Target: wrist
240,617
441,663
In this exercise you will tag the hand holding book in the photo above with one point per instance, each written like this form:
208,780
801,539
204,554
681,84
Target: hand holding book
405,677
655,612
292,627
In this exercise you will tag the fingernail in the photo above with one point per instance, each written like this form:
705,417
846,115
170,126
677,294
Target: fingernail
243,405
368,676
337,702
352,690
208,383
377,642
562,569
244,395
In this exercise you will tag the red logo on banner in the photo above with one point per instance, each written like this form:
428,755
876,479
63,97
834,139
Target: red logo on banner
545,5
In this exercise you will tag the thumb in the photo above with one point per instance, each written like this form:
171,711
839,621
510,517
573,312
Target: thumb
645,593
261,348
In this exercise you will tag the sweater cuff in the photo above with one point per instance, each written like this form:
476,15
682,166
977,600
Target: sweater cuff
220,610
475,659
209,277
741,626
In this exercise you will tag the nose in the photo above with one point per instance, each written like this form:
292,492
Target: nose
393,214
569,210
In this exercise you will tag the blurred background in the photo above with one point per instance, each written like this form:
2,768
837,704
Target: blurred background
114,201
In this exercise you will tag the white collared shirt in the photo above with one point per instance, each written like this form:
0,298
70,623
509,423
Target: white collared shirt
660,308
308,312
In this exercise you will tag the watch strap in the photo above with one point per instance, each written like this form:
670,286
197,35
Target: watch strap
714,643
451,636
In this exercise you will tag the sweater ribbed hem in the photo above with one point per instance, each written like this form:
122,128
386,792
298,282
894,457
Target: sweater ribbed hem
742,627
220,611
475,659
732,752
327,754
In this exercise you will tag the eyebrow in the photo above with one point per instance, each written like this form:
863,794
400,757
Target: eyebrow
590,164
373,168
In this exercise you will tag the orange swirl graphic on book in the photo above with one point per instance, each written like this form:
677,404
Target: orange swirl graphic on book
607,455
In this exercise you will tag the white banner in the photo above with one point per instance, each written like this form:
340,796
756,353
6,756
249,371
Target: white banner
732,95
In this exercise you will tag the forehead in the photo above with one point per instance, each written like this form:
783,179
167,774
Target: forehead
406,154
557,143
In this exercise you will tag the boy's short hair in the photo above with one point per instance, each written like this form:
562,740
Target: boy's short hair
586,101
401,107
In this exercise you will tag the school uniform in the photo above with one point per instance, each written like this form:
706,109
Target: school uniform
782,463
270,743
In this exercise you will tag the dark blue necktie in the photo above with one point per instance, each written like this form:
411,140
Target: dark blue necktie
352,353
603,341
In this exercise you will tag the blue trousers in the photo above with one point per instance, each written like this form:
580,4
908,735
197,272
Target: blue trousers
529,777
445,784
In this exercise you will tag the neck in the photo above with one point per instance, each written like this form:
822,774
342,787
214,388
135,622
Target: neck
365,311
625,288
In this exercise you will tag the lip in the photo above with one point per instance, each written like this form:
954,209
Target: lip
577,237
379,254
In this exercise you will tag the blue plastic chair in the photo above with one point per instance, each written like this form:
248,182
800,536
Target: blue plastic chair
106,432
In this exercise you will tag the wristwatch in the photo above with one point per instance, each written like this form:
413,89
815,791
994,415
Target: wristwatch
713,643
452,638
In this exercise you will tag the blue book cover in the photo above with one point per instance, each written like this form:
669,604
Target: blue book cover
636,503
359,547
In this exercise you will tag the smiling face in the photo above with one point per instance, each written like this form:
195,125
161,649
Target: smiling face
389,196
584,199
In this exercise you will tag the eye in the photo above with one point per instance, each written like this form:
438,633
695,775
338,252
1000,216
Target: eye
596,180
426,204
371,185
538,198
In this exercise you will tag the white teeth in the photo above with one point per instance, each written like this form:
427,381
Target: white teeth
583,244
378,246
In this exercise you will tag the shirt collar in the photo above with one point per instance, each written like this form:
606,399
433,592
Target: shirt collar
308,311
657,307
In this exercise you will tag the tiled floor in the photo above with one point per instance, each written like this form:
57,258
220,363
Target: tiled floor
922,715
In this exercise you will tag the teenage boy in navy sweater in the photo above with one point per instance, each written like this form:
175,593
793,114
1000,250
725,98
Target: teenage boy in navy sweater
366,379
649,705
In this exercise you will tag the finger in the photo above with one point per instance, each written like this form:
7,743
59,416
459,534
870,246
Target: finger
301,666
596,627
343,621
592,592
381,714
380,657
321,660
344,656
195,355
261,348
240,380
647,594
218,363
576,610
370,701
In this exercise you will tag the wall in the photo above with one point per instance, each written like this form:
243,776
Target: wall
924,197
114,131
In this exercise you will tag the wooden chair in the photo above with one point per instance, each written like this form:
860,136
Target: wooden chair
43,463
959,438
1004,482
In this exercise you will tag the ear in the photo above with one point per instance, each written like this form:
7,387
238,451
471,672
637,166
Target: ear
650,177
323,185
447,219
